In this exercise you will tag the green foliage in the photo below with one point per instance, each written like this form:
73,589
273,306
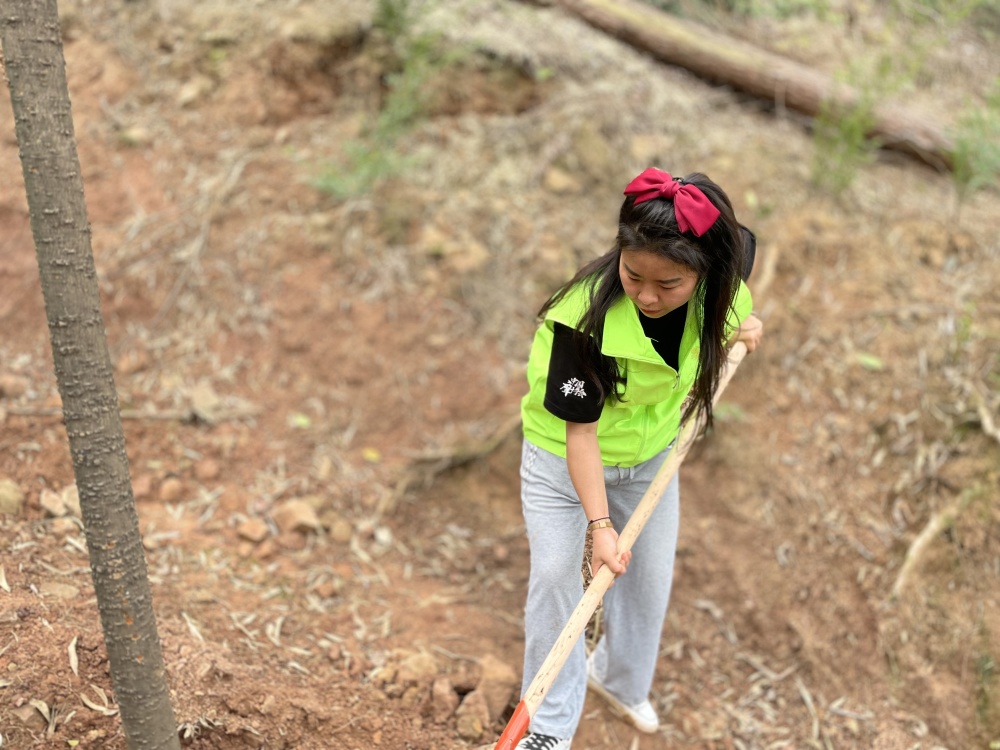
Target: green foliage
986,679
365,163
752,8
986,19
948,12
870,361
543,74
842,144
408,98
415,59
842,133
394,18
964,329
728,412
762,210
670,6
778,8
977,147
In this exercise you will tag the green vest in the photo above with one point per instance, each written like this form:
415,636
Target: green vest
646,420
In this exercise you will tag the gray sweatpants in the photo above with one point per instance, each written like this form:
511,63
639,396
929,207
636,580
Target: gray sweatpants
634,607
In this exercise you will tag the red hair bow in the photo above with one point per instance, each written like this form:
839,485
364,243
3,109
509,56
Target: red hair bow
694,211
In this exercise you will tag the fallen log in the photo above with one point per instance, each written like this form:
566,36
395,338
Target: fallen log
721,59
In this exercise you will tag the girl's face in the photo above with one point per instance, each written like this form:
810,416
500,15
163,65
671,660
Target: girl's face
656,285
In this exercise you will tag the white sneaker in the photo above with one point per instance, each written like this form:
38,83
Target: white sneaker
642,716
542,742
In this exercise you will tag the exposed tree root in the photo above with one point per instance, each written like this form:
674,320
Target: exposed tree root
940,521
429,465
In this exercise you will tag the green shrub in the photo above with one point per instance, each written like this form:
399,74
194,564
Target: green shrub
394,18
976,154
364,165
986,680
413,60
842,134
948,12
842,143
779,8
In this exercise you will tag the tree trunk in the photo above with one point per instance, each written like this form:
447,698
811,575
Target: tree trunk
755,71
36,72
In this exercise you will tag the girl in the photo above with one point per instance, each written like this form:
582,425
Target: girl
628,349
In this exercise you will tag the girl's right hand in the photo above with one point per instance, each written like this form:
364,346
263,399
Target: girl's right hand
605,552
750,332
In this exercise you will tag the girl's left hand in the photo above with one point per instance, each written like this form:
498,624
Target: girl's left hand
750,332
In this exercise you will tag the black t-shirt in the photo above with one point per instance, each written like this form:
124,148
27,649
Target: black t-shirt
572,396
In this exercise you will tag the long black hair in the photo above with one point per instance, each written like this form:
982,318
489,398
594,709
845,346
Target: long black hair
717,257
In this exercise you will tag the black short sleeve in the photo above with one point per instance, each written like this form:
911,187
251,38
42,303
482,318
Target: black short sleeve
749,251
569,394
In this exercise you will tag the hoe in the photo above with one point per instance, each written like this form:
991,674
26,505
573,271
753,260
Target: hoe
547,673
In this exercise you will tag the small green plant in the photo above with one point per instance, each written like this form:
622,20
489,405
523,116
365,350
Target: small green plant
976,155
365,163
778,8
670,6
947,12
409,99
842,143
986,677
842,135
394,18
416,59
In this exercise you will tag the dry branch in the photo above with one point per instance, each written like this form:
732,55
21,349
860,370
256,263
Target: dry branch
754,71
986,420
938,523
457,456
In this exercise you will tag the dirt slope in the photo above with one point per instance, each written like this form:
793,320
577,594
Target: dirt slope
343,352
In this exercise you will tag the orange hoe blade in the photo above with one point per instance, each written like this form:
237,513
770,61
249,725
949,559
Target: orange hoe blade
515,728
560,651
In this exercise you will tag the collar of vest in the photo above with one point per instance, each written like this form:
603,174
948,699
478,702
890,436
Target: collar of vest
623,334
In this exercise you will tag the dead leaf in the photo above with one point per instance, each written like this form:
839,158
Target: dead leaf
192,626
106,709
870,361
74,661
273,631
205,402
43,708
3,580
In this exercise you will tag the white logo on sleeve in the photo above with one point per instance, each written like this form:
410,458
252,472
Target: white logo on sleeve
573,387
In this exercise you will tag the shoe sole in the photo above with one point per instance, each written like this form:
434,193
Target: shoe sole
617,709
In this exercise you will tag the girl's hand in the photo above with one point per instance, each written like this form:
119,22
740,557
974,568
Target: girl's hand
749,332
605,552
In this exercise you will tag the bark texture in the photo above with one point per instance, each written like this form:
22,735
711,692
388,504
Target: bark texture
36,73
754,71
